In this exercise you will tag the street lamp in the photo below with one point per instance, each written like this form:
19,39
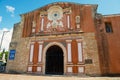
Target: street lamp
2,38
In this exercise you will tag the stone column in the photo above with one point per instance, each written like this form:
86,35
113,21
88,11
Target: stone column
31,52
69,53
42,23
39,68
40,51
30,69
81,68
80,54
69,69
68,21
31,56
33,26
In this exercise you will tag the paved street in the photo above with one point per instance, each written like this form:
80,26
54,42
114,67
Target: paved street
36,77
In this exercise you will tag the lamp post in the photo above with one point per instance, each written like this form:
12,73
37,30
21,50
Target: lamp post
2,38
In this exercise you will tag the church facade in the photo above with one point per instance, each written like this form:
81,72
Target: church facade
65,38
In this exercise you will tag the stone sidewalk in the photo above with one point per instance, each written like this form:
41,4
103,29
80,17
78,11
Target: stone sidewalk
36,77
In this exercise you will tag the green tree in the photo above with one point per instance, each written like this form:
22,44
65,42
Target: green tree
1,55
6,54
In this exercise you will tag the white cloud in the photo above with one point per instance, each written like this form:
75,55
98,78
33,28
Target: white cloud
10,9
0,19
6,38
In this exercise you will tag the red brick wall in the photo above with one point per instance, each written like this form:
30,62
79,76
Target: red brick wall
86,13
113,44
74,56
35,56
87,21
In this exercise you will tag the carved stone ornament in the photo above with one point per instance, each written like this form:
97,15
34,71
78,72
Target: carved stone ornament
43,13
77,18
55,13
67,10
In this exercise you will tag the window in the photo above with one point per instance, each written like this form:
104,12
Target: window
108,27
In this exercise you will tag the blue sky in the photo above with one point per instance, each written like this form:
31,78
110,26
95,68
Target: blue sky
10,11
22,6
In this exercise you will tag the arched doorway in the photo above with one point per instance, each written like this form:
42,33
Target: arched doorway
54,60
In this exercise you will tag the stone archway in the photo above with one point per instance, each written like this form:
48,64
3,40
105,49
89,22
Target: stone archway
54,60
59,46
